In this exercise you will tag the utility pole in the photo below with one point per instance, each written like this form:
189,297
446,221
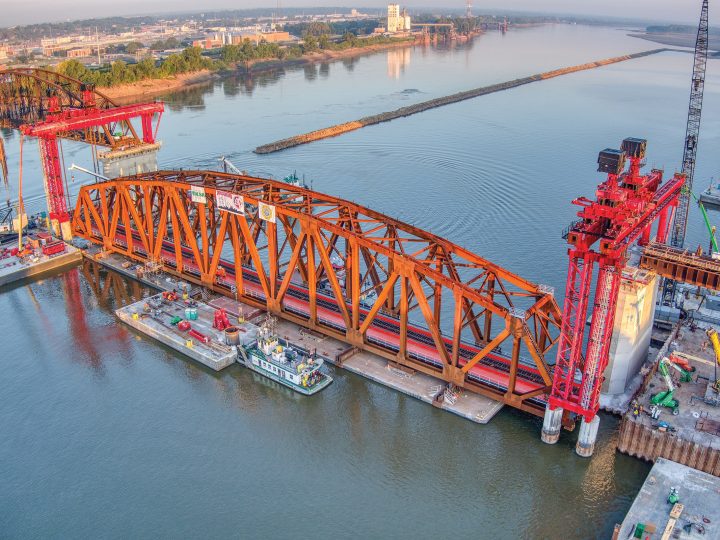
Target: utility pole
97,43
468,8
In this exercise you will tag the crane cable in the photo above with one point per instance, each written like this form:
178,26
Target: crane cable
21,205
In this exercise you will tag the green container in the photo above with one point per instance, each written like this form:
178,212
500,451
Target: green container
175,320
639,530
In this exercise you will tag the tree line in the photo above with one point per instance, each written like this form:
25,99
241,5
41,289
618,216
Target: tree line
192,59
119,72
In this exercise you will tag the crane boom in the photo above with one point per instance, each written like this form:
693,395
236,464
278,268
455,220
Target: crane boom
227,164
692,133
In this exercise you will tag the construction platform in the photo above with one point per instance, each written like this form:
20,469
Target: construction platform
466,404
33,261
153,315
696,515
692,437
152,278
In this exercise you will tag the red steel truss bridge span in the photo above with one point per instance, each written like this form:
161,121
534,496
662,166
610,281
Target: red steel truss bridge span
333,266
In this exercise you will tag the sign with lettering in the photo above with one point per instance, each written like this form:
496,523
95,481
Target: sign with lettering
230,202
197,194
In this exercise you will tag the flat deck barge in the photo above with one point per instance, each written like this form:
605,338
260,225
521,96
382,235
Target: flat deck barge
696,514
468,405
154,317
36,259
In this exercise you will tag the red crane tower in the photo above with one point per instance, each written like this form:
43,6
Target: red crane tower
626,207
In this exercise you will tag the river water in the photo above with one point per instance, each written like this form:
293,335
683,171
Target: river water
108,434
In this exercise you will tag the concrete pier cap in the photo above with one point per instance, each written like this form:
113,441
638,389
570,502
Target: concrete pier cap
587,437
552,424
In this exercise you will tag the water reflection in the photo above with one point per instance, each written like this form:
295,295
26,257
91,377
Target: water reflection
349,63
397,61
310,71
246,82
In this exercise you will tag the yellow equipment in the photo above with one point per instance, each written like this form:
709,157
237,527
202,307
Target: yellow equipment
715,340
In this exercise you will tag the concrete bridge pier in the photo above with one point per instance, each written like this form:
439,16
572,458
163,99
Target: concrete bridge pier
130,161
587,437
552,424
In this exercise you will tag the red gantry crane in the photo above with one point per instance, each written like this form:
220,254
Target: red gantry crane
626,207
51,106
90,118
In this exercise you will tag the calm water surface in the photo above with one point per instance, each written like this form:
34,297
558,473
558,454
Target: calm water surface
107,434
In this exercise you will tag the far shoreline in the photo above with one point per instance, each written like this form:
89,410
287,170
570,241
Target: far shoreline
671,39
137,91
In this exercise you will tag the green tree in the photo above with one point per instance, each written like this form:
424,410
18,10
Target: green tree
133,47
324,42
350,39
74,69
310,43
145,69
317,29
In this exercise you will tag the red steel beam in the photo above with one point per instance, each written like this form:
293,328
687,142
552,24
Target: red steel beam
80,119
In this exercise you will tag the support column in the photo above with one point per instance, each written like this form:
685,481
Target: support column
661,236
587,437
552,424
66,231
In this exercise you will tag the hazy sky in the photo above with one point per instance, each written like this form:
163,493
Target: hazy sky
27,11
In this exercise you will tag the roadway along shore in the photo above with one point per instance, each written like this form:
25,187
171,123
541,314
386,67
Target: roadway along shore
339,129
138,91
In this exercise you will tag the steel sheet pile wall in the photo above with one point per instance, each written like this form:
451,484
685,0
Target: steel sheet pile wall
637,440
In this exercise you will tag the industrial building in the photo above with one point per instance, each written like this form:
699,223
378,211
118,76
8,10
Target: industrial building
397,21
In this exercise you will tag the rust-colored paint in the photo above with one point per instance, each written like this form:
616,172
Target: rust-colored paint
419,278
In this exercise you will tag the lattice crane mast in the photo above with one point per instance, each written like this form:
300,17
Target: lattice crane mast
692,135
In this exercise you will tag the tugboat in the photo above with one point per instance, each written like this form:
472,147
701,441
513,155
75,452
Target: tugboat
278,360
293,180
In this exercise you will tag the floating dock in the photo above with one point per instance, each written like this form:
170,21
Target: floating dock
346,127
695,515
43,254
154,316
469,405
692,437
